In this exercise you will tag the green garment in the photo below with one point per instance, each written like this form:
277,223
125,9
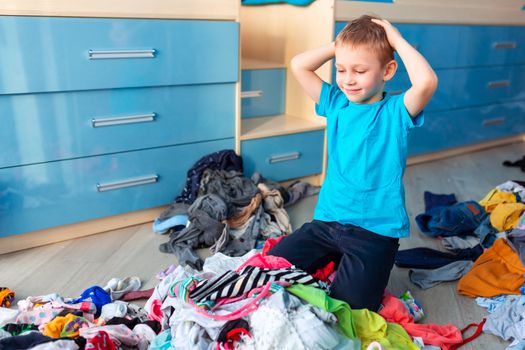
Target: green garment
371,326
319,298
363,323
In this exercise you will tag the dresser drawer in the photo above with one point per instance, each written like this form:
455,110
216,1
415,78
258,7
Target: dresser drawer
448,46
263,92
465,87
62,54
461,127
284,157
53,126
45,195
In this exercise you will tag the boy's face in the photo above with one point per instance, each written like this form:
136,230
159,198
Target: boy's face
360,75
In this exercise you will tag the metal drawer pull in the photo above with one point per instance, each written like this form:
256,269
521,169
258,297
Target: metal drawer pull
505,45
498,84
284,157
130,119
494,121
251,94
127,183
107,54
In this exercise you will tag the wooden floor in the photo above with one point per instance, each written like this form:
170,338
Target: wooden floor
70,267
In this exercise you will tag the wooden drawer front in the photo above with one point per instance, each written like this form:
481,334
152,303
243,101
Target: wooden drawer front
45,195
263,92
53,126
461,127
60,54
284,157
469,86
449,46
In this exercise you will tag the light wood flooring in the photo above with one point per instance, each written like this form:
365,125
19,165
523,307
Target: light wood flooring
70,267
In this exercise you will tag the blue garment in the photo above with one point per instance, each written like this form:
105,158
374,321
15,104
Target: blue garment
457,219
433,200
367,150
427,258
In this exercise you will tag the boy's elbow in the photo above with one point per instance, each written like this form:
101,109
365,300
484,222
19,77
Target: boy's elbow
430,84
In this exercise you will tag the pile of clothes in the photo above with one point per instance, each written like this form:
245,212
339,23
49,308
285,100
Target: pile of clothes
486,240
222,209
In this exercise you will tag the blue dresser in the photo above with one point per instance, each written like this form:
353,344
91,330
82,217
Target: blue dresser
481,92
104,116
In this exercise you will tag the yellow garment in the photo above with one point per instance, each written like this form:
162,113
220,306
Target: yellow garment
506,216
495,197
371,326
54,328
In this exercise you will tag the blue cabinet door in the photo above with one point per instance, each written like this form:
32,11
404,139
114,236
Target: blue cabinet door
50,194
63,54
53,126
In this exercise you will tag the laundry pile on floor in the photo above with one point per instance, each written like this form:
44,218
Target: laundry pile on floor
486,240
222,209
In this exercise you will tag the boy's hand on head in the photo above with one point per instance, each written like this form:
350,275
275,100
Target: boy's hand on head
392,34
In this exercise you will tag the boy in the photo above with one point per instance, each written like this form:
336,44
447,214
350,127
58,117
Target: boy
360,214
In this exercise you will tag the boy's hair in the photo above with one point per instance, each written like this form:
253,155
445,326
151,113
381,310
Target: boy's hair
363,32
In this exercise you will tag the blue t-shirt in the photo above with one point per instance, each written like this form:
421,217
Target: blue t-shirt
367,150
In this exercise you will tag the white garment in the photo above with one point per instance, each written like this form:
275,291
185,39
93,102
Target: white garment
115,309
7,316
61,344
219,263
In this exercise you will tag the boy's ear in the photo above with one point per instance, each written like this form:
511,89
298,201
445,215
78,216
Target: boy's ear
390,70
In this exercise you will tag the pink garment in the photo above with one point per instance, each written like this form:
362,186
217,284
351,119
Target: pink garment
439,335
266,261
155,312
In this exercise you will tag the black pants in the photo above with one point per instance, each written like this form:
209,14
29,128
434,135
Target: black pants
364,259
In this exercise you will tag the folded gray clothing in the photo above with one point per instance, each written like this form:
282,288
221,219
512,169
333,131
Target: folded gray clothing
206,215
458,242
298,190
236,190
425,279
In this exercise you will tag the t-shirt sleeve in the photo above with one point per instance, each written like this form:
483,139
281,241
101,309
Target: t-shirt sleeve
408,121
330,100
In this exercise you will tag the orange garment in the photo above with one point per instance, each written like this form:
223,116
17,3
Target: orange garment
497,271
443,336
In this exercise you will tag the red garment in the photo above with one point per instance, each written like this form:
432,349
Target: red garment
270,242
443,336
101,341
266,261
321,274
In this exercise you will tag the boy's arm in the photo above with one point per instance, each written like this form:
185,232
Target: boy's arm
305,64
424,80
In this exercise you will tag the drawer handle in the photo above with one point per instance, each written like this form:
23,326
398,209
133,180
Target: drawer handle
130,119
108,54
494,121
498,84
251,94
284,157
505,45
108,186
396,92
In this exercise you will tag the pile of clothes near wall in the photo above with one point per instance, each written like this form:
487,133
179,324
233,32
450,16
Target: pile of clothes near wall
486,240
222,209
